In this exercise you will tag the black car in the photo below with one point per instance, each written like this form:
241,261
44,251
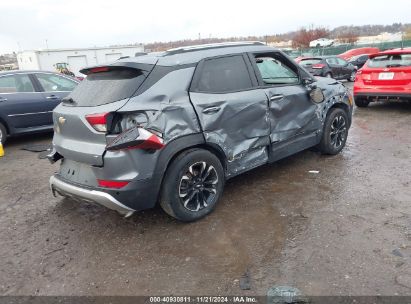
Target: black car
171,127
359,60
28,98
329,66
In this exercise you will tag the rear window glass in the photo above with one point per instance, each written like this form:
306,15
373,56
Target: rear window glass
307,62
390,61
106,87
225,74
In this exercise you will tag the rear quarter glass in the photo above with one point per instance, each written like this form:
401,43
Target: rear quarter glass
107,86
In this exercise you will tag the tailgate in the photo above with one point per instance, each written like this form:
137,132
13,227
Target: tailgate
75,139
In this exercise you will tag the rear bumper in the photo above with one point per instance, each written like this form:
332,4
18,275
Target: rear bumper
102,198
382,95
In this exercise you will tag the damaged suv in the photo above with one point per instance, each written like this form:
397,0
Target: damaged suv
172,127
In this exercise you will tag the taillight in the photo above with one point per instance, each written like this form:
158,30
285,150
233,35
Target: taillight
112,184
136,138
98,121
318,66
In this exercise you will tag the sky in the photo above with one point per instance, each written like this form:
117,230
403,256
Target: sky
27,24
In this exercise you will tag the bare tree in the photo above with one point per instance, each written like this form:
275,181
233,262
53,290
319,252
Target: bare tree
304,36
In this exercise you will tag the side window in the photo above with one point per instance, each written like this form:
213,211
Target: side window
341,61
331,61
51,82
18,83
274,70
225,74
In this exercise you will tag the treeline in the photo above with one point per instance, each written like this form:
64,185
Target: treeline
347,33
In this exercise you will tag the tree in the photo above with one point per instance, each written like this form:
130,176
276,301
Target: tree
304,36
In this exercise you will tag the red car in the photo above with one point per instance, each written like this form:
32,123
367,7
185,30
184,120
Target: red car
385,76
359,51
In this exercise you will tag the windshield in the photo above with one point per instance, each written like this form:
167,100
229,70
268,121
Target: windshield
108,86
388,61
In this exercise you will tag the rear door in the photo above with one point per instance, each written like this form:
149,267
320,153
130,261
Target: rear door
231,110
21,105
293,117
335,67
54,88
344,68
103,91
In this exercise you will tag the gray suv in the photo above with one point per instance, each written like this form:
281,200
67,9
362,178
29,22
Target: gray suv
172,127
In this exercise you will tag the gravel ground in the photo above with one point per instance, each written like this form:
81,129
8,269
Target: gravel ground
343,231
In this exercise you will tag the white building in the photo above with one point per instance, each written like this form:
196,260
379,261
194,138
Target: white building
75,58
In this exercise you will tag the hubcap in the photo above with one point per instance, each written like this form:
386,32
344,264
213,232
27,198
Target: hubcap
198,186
338,131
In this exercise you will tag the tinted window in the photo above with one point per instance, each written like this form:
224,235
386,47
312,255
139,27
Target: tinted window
224,75
311,61
387,61
274,71
106,87
18,83
52,82
341,61
331,61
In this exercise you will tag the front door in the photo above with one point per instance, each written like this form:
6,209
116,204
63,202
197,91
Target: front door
294,119
21,106
232,111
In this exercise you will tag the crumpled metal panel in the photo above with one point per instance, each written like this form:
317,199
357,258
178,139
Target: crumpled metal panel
240,127
168,110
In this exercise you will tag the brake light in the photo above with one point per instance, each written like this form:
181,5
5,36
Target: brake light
98,121
318,66
136,138
112,184
99,70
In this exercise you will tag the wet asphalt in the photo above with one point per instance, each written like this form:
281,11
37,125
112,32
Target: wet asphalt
345,230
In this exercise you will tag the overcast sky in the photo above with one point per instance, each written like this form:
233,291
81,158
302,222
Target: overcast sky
82,23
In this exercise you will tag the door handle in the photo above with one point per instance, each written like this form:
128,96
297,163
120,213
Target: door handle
211,110
52,97
276,97
3,99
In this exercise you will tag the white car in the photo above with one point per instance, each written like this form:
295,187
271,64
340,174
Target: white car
321,42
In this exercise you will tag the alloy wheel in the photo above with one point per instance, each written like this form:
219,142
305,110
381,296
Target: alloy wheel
198,186
338,131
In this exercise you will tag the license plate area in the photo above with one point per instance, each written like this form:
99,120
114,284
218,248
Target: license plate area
77,173
386,76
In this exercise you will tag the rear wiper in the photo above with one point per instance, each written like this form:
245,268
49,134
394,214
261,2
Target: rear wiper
396,65
68,100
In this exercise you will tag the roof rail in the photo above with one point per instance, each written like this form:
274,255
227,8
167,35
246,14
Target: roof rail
198,47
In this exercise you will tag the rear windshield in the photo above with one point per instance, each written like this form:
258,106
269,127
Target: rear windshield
106,87
310,61
390,61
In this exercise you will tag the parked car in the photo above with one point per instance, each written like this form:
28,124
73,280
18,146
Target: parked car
173,127
329,66
385,76
28,98
358,51
359,60
321,42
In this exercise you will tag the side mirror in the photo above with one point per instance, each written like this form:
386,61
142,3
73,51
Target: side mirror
308,81
317,95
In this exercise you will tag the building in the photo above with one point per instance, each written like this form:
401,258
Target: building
75,58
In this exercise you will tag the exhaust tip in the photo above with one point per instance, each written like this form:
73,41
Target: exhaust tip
128,214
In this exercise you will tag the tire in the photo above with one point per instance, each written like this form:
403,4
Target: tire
184,194
361,102
328,75
335,132
3,134
351,78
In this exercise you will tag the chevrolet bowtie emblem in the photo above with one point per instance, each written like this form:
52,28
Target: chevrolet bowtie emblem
62,120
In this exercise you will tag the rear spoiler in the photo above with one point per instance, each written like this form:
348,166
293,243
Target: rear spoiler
120,64
393,52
